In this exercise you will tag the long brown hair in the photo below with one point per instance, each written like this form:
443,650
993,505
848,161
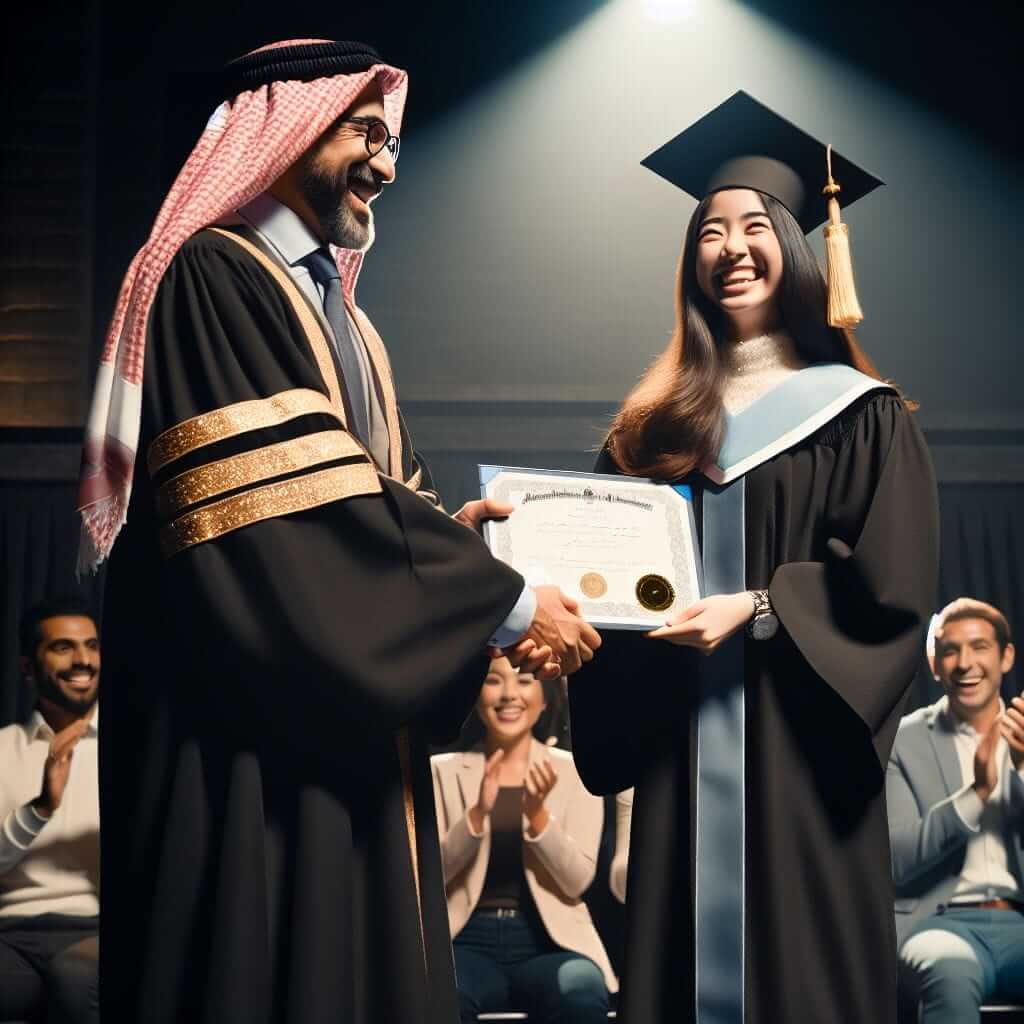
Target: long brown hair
672,422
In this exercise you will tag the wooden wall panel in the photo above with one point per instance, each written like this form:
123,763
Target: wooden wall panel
47,162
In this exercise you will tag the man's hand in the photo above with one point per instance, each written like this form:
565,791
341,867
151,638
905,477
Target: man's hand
557,627
986,769
488,795
1011,725
57,768
473,513
706,624
528,657
540,780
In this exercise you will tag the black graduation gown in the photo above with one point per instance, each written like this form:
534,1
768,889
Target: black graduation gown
842,530
255,857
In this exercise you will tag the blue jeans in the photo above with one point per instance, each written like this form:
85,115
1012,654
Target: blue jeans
506,961
956,960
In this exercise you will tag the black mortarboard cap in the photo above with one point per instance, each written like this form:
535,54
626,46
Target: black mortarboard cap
743,144
296,62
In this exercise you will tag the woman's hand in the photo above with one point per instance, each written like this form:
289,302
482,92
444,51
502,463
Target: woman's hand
540,780
707,623
489,786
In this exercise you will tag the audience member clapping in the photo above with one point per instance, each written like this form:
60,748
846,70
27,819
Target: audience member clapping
519,841
955,795
49,825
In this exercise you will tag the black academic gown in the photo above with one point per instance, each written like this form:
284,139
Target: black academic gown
842,530
255,857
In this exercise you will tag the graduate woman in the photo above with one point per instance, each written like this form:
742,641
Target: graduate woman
756,724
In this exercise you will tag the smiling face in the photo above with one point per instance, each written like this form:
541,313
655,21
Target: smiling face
65,666
509,704
738,260
338,179
970,666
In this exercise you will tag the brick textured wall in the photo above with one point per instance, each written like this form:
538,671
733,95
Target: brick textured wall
47,159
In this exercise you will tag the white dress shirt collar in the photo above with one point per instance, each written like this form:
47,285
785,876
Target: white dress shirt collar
37,725
956,725
282,227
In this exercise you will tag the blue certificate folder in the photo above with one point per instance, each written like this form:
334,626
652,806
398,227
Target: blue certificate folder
624,547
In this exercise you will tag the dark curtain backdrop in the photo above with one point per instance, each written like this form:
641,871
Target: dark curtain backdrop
39,538
982,554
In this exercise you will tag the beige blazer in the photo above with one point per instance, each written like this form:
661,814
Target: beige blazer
560,863
620,861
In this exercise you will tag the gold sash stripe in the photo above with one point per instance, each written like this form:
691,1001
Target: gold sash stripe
232,420
279,499
382,365
251,467
405,763
308,321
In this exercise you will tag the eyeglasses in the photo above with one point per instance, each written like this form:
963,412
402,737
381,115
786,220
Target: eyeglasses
375,135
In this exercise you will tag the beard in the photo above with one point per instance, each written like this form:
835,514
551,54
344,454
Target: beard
51,691
326,194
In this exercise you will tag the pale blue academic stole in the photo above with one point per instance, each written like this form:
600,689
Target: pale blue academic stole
775,422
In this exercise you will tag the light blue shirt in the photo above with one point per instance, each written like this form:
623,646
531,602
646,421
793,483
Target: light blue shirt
289,235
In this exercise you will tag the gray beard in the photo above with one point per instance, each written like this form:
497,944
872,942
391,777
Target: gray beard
338,224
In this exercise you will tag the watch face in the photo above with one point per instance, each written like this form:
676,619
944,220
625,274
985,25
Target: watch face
764,627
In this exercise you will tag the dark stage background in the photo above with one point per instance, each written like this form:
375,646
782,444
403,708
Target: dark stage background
523,271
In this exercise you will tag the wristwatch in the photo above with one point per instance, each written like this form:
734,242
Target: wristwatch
765,623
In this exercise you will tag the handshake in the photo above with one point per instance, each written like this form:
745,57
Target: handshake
558,641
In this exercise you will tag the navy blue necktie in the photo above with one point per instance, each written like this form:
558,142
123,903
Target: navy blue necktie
325,273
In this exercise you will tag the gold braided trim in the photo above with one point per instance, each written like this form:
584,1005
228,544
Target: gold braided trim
405,762
232,420
314,332
267,502
251,467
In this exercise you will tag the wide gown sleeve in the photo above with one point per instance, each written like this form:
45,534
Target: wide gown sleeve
625,706
371,607
858,615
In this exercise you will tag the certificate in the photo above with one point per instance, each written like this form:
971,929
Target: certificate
624,547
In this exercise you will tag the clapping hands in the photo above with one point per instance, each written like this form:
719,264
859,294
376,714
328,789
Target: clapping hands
538,782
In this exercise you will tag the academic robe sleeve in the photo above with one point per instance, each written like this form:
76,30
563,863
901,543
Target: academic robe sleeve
625,706
328,582
858,616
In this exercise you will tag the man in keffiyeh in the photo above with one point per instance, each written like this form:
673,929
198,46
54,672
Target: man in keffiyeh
289,615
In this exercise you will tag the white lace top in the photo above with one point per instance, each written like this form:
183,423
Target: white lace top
756,366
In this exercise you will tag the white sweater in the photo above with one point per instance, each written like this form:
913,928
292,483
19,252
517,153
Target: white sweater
48,866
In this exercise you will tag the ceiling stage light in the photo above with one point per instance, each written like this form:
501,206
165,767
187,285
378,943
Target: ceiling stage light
667,12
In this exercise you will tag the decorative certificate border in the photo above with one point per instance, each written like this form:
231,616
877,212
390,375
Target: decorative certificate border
676,510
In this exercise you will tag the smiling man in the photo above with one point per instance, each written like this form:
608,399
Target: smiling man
289,614
50,822
955,794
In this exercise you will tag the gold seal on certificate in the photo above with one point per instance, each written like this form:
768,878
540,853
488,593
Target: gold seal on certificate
623,547
655,592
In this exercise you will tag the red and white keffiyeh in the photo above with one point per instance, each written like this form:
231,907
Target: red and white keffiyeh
247,144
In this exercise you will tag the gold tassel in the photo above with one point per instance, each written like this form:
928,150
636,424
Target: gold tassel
843,308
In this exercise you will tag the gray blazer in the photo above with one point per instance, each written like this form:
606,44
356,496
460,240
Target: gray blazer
928,841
